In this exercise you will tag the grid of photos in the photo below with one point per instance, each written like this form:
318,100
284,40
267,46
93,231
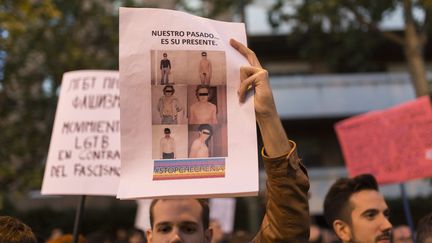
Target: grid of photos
189,104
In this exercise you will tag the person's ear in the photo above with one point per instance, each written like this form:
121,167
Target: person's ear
149,235
342,230
208,235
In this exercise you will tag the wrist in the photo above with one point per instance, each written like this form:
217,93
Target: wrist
273,135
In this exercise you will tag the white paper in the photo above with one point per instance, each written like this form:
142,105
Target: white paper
223,210
84,153
230,165
142,218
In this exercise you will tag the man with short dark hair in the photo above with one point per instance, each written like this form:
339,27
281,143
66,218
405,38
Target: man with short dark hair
169,106
424,229
165,68
13,230
167,145
287,210
357,211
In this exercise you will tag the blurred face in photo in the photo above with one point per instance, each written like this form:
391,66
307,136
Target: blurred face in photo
168,91
205,134
203,94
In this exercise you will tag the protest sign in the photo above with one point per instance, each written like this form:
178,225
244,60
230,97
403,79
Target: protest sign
395,144
183,130
222,210
84,153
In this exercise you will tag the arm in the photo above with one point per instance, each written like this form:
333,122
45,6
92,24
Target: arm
213,116
194,149
287,210
175,149
192,118
210,70
161,148
159,106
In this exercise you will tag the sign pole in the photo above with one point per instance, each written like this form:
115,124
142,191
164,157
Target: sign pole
78,217
406,207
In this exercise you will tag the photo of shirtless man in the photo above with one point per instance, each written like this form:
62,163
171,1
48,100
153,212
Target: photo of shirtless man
199,147
202,111
205,69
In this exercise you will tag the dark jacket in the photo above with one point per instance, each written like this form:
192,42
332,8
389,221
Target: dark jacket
287,208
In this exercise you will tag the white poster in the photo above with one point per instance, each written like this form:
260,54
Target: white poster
183,130
84,153
223,211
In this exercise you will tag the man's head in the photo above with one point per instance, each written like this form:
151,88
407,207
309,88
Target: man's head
357,211
402,234
136,236
13,230
165,56
205,132
168,90
167,132
424,229
179,220
202,92
204,54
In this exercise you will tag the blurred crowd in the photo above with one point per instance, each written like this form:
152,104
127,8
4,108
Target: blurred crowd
13,230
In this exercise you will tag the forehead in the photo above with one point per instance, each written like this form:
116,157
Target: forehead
177,210
365,200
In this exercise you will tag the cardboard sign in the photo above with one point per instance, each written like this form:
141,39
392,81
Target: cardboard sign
394,145
183,130
84,153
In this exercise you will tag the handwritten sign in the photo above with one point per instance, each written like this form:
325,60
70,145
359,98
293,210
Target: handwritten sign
84,153
183,131
395,145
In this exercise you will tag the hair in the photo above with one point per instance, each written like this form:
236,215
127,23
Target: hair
203,53
206,127
424,228
201,86
167,86
336,202
13,230
167,130
164,54
205,213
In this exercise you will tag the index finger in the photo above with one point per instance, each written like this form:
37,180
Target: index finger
246,52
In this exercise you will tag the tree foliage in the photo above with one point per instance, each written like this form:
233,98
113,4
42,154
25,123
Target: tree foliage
354,25
39,41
